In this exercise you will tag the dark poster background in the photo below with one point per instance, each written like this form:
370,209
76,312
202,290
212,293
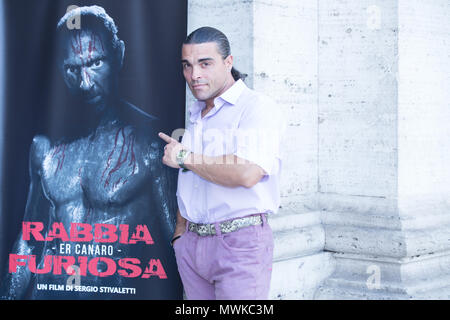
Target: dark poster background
38,102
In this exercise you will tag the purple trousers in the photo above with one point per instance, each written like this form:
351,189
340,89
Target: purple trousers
231,266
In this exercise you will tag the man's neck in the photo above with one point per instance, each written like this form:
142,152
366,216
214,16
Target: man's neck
207,108
209,103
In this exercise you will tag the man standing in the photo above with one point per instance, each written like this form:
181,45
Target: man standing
228,179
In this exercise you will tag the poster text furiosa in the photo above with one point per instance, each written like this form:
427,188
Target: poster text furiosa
78,235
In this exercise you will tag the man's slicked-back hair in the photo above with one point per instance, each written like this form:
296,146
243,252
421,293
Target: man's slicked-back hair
210,34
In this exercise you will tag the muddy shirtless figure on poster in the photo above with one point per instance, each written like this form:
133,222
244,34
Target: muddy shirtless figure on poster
104,186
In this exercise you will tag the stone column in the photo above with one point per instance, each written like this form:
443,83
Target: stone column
275,43
384,147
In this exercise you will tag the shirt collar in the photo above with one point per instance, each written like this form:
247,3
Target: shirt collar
234,92
230,96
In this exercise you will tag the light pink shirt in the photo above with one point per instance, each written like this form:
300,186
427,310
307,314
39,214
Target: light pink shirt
248,125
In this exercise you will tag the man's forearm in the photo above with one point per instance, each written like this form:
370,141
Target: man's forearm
227,170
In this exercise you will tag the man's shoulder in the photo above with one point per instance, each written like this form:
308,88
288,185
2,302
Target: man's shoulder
38,150
144,127
258,107
255,101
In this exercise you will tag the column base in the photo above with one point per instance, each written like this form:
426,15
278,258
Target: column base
366,277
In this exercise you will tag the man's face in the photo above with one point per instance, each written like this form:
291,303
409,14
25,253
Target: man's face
206,72
87,66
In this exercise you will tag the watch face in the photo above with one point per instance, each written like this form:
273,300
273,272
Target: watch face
181,155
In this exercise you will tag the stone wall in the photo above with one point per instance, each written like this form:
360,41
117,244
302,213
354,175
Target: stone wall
384,146
364,85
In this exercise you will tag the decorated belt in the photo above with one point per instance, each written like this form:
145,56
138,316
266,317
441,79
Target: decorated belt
209,229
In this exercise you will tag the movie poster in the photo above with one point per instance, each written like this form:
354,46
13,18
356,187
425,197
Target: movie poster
87,208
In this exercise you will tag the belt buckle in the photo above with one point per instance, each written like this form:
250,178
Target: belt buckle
206,229
211,229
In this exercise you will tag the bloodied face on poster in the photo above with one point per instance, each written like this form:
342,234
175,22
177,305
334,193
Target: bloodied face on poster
100,204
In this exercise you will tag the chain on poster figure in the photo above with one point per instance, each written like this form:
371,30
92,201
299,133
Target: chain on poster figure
100,200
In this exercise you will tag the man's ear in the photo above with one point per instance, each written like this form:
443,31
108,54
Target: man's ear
121,53
229,62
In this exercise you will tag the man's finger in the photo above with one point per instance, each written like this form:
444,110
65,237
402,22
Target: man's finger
165,137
